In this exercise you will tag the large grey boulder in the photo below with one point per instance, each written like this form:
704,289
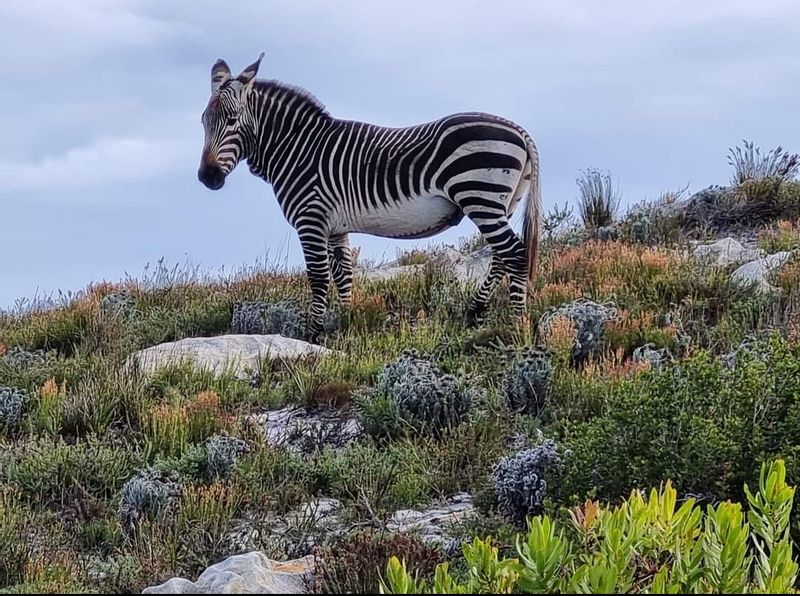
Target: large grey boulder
725,252
251,573
239,354
760,271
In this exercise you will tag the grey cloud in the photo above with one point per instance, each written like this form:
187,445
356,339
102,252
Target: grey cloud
102,99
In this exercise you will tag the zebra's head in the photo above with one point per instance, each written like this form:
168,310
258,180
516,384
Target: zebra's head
223,121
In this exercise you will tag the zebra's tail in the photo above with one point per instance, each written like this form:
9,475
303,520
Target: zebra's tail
533,212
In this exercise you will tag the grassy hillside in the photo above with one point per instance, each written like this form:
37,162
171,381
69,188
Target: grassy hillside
635,364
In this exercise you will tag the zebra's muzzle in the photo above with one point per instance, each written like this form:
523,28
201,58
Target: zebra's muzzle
212,176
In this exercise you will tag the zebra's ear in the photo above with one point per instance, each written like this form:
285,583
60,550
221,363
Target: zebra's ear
249,73
220,73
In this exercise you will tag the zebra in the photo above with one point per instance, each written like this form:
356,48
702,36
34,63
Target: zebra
333,177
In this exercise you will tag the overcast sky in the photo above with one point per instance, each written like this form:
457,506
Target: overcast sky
101,101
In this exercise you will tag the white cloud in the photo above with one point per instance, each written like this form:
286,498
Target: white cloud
103,162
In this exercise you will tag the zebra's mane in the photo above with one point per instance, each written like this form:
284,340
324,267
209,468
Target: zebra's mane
277,89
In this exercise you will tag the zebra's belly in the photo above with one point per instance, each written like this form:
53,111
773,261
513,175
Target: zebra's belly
415,218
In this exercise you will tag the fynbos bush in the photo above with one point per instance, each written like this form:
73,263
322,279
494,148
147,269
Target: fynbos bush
413,391
657,357
598,201
222,452
588,318
528,381
265,318
649,544
519,482
117,303
749,164
148,494
12,405
21,358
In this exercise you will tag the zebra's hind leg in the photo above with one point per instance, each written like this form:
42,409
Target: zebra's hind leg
507,248
341,262
480,300
314,242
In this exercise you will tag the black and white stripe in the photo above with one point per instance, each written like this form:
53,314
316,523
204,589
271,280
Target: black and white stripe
333,177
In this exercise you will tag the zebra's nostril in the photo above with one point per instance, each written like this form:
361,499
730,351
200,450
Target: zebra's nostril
212,177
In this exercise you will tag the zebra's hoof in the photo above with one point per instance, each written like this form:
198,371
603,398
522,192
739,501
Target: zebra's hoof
314,336
474,319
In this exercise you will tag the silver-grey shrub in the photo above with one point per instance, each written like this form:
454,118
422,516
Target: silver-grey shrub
588,317
528,381
148,494
21,359
222,453
265,318
13,402
413,392
519,481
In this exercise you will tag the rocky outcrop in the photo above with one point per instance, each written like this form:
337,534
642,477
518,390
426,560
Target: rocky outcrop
755,268
760,271
432,524
251,573
725,252
239,354
303,430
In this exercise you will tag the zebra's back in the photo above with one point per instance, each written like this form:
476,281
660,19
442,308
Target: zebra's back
405,182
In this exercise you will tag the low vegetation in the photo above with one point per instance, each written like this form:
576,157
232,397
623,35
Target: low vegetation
634,364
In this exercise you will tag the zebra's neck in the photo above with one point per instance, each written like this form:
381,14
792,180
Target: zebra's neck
286,122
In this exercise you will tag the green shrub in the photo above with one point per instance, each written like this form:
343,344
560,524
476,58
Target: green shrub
49,470
644,545
15,543
700,422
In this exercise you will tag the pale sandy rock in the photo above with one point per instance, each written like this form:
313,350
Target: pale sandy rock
760,271
725,252
240,354
251,573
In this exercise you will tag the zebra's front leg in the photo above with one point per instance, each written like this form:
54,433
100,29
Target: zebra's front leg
341,262
314,242
479,302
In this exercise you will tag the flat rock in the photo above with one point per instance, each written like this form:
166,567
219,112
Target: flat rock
725,252
240,354
304,430
251,573
432,524
758,272
297,531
